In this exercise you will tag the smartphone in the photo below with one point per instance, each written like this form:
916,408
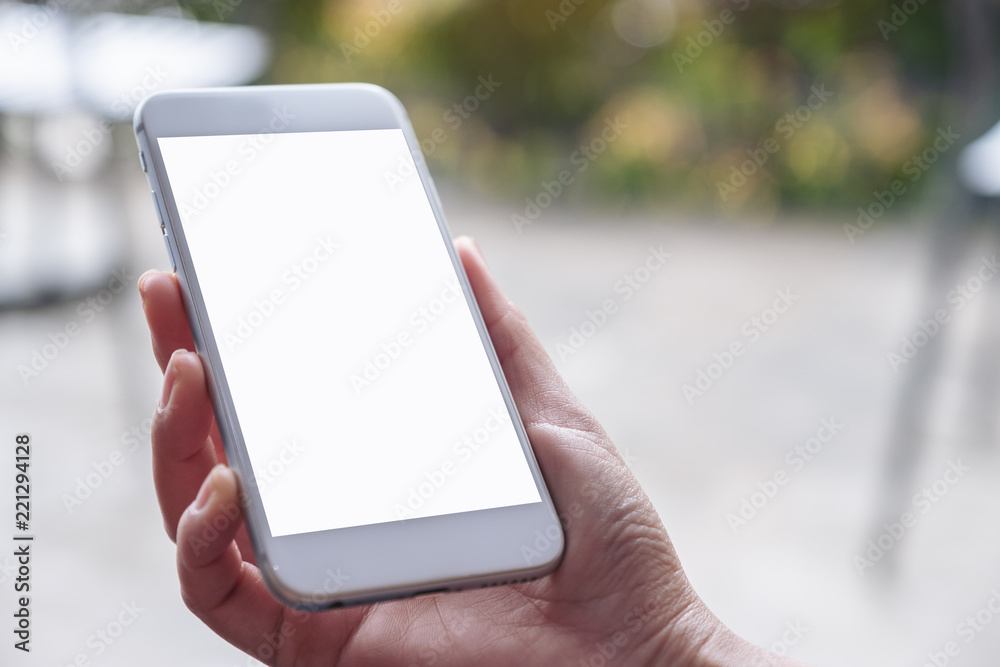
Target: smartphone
357,392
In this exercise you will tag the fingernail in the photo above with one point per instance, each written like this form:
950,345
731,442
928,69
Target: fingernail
168,381
142,280
204,493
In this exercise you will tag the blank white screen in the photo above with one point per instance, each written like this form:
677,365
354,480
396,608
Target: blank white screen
358,376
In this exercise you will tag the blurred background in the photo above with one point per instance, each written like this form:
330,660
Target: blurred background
823,175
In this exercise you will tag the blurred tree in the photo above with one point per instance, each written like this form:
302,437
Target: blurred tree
717,101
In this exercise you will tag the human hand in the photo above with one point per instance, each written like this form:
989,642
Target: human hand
618,597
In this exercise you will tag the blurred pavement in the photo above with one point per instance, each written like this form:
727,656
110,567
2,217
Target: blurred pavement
791,565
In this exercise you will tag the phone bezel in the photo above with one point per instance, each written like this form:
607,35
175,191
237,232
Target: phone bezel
298,568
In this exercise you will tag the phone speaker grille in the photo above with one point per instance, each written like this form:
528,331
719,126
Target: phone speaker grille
507,583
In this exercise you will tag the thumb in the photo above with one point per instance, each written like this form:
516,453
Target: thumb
574,452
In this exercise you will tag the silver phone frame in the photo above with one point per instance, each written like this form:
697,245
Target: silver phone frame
294,566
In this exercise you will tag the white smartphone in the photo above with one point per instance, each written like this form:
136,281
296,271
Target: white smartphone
357,392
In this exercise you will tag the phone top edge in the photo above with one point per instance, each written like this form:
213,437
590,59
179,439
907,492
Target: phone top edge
218,111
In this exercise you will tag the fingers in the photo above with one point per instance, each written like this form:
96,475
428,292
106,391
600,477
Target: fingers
183,454
168,326
168,323
227,594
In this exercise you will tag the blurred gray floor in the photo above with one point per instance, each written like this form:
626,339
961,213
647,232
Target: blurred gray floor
792,564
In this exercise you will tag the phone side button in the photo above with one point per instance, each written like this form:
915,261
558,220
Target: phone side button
142,161
160,211
170,253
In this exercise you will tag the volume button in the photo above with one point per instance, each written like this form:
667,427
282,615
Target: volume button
170,253
160,211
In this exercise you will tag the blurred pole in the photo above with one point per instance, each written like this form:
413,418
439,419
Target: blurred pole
956,227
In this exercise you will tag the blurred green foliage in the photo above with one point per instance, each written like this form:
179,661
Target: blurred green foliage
702,87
